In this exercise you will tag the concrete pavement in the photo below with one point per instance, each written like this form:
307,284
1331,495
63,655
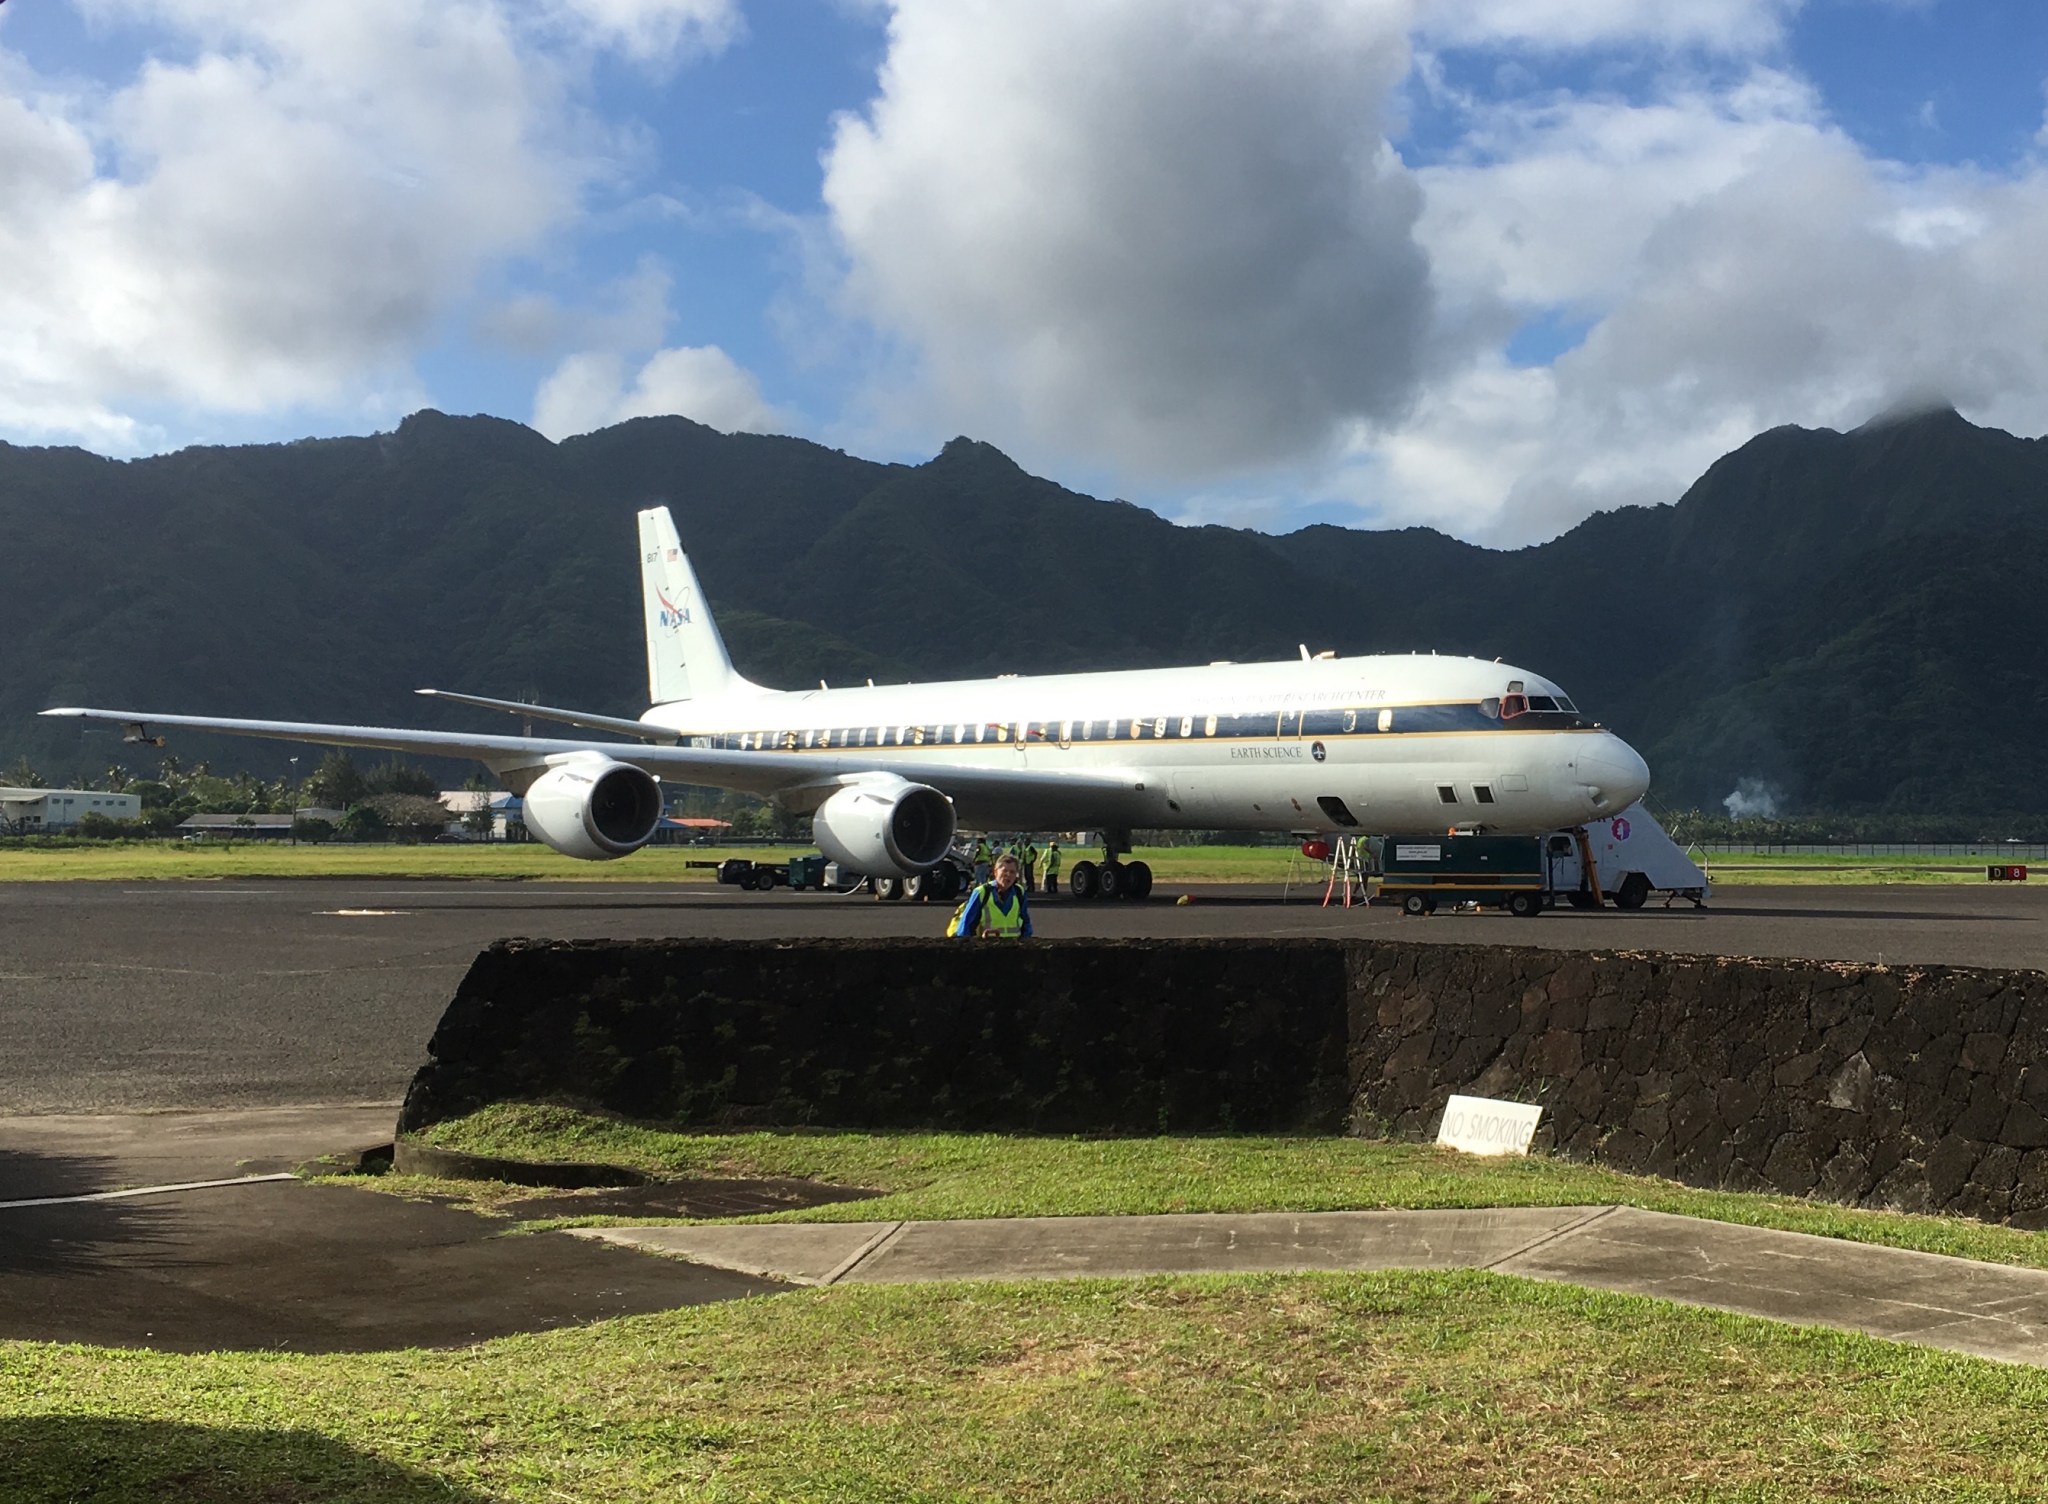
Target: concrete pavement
1985,1310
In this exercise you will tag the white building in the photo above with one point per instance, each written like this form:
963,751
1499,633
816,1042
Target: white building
507,811
29,811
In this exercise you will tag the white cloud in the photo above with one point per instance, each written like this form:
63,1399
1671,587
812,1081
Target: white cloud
589,390
627,313
278,210
1550,202
1169,236
650,31
1721,25
1739,263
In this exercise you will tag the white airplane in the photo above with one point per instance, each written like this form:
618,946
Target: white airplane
1390,744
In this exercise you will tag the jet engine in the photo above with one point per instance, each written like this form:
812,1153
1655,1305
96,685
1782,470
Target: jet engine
594,809
885,829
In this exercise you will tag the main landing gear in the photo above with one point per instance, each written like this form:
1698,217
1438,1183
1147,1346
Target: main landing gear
1111,878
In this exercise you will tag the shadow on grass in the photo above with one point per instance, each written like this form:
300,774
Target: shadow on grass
45,1459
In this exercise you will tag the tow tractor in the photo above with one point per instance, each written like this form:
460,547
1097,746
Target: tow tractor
1624,860
814,874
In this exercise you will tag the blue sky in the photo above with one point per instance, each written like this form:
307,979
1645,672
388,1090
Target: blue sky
1483,265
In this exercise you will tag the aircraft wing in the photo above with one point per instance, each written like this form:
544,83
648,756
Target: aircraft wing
803,779
588,720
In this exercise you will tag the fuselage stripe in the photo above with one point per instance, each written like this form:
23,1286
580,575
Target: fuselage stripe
1457,719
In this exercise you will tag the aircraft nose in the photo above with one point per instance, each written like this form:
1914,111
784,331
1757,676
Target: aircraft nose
1613,775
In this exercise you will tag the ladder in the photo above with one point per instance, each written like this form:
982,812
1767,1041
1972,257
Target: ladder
1347,866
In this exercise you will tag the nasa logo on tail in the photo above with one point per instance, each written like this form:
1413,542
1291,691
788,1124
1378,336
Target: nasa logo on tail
671,615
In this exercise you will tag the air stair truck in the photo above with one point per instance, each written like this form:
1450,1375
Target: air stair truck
1624,859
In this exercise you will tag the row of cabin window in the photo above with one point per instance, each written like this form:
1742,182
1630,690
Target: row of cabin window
1310,723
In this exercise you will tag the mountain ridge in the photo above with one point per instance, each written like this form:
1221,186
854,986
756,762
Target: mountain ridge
1845,616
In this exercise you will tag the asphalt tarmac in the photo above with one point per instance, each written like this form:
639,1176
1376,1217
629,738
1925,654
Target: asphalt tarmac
180,1232
161,1034
138,997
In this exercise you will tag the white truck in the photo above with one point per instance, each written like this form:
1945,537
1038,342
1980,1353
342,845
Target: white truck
1624,859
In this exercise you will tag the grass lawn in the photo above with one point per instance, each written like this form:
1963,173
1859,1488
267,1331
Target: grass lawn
1752,869
932,1176
131,861
1400,1386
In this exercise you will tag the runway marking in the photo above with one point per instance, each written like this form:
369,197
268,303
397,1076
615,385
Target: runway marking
145,1190
362,913
588,890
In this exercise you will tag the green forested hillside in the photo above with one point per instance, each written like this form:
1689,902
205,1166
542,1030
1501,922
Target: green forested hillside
1852,618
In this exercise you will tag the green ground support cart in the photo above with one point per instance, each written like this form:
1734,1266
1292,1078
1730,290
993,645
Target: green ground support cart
1424,871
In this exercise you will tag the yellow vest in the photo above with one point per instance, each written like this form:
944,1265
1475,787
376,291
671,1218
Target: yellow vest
993,921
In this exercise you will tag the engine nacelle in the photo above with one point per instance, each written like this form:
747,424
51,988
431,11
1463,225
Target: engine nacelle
594,810
890,829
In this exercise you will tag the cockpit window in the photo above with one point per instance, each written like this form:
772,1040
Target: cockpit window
1532,712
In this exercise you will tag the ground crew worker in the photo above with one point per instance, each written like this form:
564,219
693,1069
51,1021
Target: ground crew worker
1052,865
998,909
981,858
1029,857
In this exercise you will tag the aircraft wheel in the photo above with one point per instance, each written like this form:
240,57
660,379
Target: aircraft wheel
1524,905
1081,880
1415,903
945,883
1581,899
1137,880
1109,880
918,886
1633,892
888,889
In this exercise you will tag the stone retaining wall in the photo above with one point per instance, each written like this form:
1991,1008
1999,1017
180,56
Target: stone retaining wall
1073,1037
1920,1088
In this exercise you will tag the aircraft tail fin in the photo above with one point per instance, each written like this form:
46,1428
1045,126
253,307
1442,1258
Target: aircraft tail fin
686,658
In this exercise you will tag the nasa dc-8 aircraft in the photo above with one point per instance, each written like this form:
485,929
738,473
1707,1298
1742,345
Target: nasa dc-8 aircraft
1389,744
